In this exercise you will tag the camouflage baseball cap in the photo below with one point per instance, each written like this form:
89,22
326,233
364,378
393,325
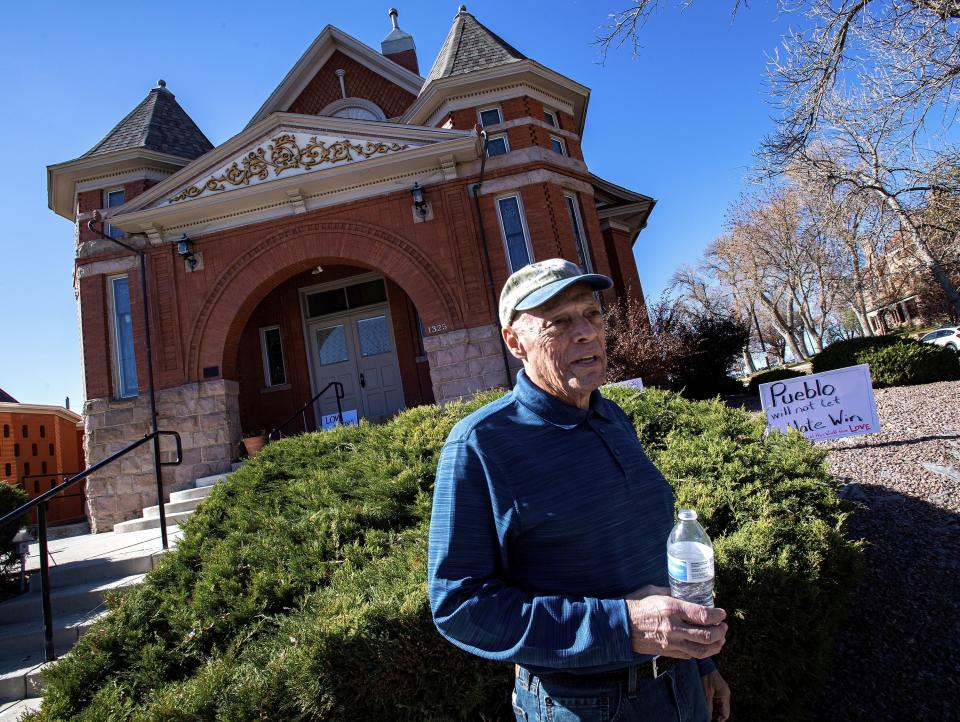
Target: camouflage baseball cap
537,283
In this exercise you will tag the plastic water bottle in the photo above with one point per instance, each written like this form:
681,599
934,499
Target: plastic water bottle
690,560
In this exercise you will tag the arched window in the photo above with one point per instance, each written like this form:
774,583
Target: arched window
355,108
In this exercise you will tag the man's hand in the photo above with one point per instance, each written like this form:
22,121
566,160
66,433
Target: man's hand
660,624
717,694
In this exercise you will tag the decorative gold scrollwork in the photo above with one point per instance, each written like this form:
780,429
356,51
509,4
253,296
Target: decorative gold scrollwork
282,154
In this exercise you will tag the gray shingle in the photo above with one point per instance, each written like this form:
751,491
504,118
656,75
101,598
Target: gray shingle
471,46
158,123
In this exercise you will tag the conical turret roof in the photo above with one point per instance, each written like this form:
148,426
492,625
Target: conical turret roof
471,46
158,123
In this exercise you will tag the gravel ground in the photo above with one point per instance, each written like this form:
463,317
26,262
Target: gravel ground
898,653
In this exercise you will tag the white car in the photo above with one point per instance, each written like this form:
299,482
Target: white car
948,337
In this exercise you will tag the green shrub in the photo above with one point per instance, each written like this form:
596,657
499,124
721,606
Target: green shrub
845,353
766,377
298,591
10,498
894,361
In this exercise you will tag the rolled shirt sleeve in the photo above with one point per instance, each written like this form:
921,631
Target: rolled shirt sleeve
474,603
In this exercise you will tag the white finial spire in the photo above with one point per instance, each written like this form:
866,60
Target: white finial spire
393,17
463,10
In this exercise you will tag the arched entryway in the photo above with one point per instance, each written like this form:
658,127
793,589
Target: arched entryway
332,323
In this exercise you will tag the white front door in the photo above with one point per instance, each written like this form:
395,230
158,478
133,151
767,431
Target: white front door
357,349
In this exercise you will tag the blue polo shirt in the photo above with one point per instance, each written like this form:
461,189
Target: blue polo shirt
545,517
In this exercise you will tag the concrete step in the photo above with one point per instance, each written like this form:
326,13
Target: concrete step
151,523
91,571
24,681
209,480
81,597
187,494
171,507
27,637
236,465
13,711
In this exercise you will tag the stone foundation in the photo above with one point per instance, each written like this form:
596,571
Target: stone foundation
207,417
464,362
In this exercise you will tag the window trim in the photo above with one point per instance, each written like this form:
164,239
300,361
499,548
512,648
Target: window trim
523,224
552,114
481,111
573,201
264,357
114,338
506,144
563,146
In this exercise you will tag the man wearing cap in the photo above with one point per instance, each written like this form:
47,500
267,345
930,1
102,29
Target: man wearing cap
549,526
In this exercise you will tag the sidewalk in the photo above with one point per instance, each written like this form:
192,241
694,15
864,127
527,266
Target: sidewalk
107,545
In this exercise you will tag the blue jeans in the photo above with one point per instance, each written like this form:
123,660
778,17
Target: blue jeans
675,696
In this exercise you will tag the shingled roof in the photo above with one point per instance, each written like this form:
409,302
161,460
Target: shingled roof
7,398
471,46
158,123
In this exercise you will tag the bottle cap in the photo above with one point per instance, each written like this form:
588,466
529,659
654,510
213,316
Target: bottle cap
687,515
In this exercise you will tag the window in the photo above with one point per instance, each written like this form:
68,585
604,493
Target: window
8,470
497,145
332,345
271,348
557,146
125,362
26,468
6,431
114,198
43,431
24,431
514,232
16,449
490,116
573,211
33,448
551,118
345,298
50,446
43,467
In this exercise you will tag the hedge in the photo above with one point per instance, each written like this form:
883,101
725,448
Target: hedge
298,590
766,377
894,361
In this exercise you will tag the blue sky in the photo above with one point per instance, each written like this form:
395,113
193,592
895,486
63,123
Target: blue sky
678,123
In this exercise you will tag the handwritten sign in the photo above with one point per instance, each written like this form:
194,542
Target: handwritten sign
329,421
821,406
636,383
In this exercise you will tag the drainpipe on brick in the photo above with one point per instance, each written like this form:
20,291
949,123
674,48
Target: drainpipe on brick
486,254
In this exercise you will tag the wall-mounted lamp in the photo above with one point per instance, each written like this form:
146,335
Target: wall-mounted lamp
418,202
185,251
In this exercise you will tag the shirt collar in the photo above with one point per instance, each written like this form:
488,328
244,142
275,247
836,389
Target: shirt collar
553,410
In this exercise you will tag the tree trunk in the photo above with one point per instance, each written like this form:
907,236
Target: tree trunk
748,359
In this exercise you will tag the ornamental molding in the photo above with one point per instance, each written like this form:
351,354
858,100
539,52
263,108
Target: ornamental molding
289,153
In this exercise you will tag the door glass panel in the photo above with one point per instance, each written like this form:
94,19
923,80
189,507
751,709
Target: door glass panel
374,336
332,345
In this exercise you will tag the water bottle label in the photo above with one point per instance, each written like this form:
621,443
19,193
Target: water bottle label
689,571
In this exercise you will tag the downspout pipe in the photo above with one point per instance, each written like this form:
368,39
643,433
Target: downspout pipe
150,385
486,255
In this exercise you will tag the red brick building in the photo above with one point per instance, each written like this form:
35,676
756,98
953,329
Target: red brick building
39,447
312,259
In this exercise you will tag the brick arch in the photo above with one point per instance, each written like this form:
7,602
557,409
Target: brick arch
216,333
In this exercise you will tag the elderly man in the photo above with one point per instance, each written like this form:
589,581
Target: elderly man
549,528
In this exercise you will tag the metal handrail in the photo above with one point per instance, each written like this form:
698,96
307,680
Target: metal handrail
65,474
40,504
338,392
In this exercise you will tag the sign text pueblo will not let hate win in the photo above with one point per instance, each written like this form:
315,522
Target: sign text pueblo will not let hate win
827,405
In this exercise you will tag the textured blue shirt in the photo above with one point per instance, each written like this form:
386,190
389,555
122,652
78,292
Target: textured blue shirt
545,517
